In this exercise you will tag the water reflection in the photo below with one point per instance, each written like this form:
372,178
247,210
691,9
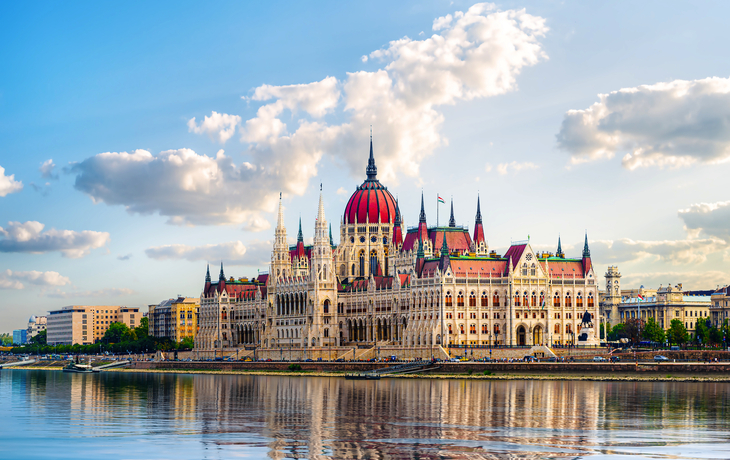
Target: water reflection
224,416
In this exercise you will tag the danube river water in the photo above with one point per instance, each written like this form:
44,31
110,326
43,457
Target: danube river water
118,415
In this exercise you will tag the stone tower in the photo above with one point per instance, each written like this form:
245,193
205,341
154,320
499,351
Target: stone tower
613,296
280,259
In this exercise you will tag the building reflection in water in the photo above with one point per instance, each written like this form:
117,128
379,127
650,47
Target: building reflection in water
308,417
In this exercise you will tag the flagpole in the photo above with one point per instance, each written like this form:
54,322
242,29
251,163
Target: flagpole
437,209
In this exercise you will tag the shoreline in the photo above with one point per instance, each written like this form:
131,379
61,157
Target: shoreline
506,376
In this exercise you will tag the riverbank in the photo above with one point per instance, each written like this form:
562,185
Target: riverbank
644,372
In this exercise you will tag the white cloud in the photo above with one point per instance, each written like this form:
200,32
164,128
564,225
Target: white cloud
14,280
341,191
186,187
670,124
124,257
8,184
47,168
515,166
711,219
675,252
219,126
478,54
30,237
691,280
99,293
257,253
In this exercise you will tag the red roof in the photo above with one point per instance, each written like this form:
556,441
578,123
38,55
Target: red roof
458,239
515,251
471,267
371,202
568,268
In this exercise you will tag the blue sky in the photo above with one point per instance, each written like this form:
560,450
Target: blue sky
520,122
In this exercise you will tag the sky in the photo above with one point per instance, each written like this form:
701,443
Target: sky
139,144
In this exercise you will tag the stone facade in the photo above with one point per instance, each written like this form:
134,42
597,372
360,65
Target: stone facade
385,285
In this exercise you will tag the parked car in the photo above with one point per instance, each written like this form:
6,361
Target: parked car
599,359
615,359
551,359
529,359
660,358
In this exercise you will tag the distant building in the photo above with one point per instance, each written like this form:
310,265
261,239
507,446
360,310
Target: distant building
720,306
87,324
36,324
667,303
20,337
174,318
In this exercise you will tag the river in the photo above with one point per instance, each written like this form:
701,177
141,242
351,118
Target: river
124,415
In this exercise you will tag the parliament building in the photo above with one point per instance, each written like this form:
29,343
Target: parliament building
387,285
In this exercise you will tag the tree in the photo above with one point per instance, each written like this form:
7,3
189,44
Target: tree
186,342
702,331
617,333
39,338
632,326
116,333
716,335
603,331
677,332
653,331
6,339
142,331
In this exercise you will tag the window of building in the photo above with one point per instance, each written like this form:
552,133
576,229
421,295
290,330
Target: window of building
556,300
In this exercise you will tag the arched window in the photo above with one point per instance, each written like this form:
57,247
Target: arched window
484,299
532,270
386,273
373,262
353,269
450,332
525,299
533,300
556,300
460,299
590,300
472,299
524,269
579,300
496,328
542,299
319,271
517,299
326,307
362,263
448,299
495,300
568,302
557,328
485,329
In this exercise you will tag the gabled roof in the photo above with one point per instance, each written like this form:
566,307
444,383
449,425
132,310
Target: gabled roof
457,238
515,252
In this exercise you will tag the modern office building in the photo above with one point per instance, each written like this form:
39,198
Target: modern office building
174,318
86,324
20,337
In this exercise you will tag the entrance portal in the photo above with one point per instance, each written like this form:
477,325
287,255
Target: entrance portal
521,336
537,335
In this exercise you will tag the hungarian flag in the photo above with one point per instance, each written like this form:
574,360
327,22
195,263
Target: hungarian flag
641,297
440,200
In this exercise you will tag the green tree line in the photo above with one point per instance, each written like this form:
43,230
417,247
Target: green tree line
119,338
636,330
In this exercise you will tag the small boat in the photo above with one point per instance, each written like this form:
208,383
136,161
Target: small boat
362,376
79,368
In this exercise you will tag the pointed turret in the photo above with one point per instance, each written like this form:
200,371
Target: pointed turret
221,276
445,261
300,236
422,226
397,230
332,243
372,170
420,260
452,221
207,274
479,230
280,258
587,265
422,215
221,280
559,252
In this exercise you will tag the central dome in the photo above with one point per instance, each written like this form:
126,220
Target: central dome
371,202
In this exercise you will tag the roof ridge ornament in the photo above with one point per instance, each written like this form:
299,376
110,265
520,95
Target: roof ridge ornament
452,221
372,170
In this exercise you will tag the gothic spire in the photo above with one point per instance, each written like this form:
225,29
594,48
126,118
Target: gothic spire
559,252
221,276
420,253
479,212
372,170
300,236
397,214
444,247
586,250
452,221
332,243
422,216
207,274
280,218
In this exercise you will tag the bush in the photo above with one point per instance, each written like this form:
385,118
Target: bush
487,372
295,367
470,371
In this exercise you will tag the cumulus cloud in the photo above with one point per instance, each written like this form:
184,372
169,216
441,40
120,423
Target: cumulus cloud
218,126
47,168
670,124
710,219
515,166
257,253
124,257
30,237
478,53
341,191
674,252
99,293
182,185
14,280
8,184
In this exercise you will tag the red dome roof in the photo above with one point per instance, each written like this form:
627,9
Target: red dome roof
370,201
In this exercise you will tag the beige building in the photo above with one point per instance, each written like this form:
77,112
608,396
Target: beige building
720,306
175,318
36,324
667,303
86,324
